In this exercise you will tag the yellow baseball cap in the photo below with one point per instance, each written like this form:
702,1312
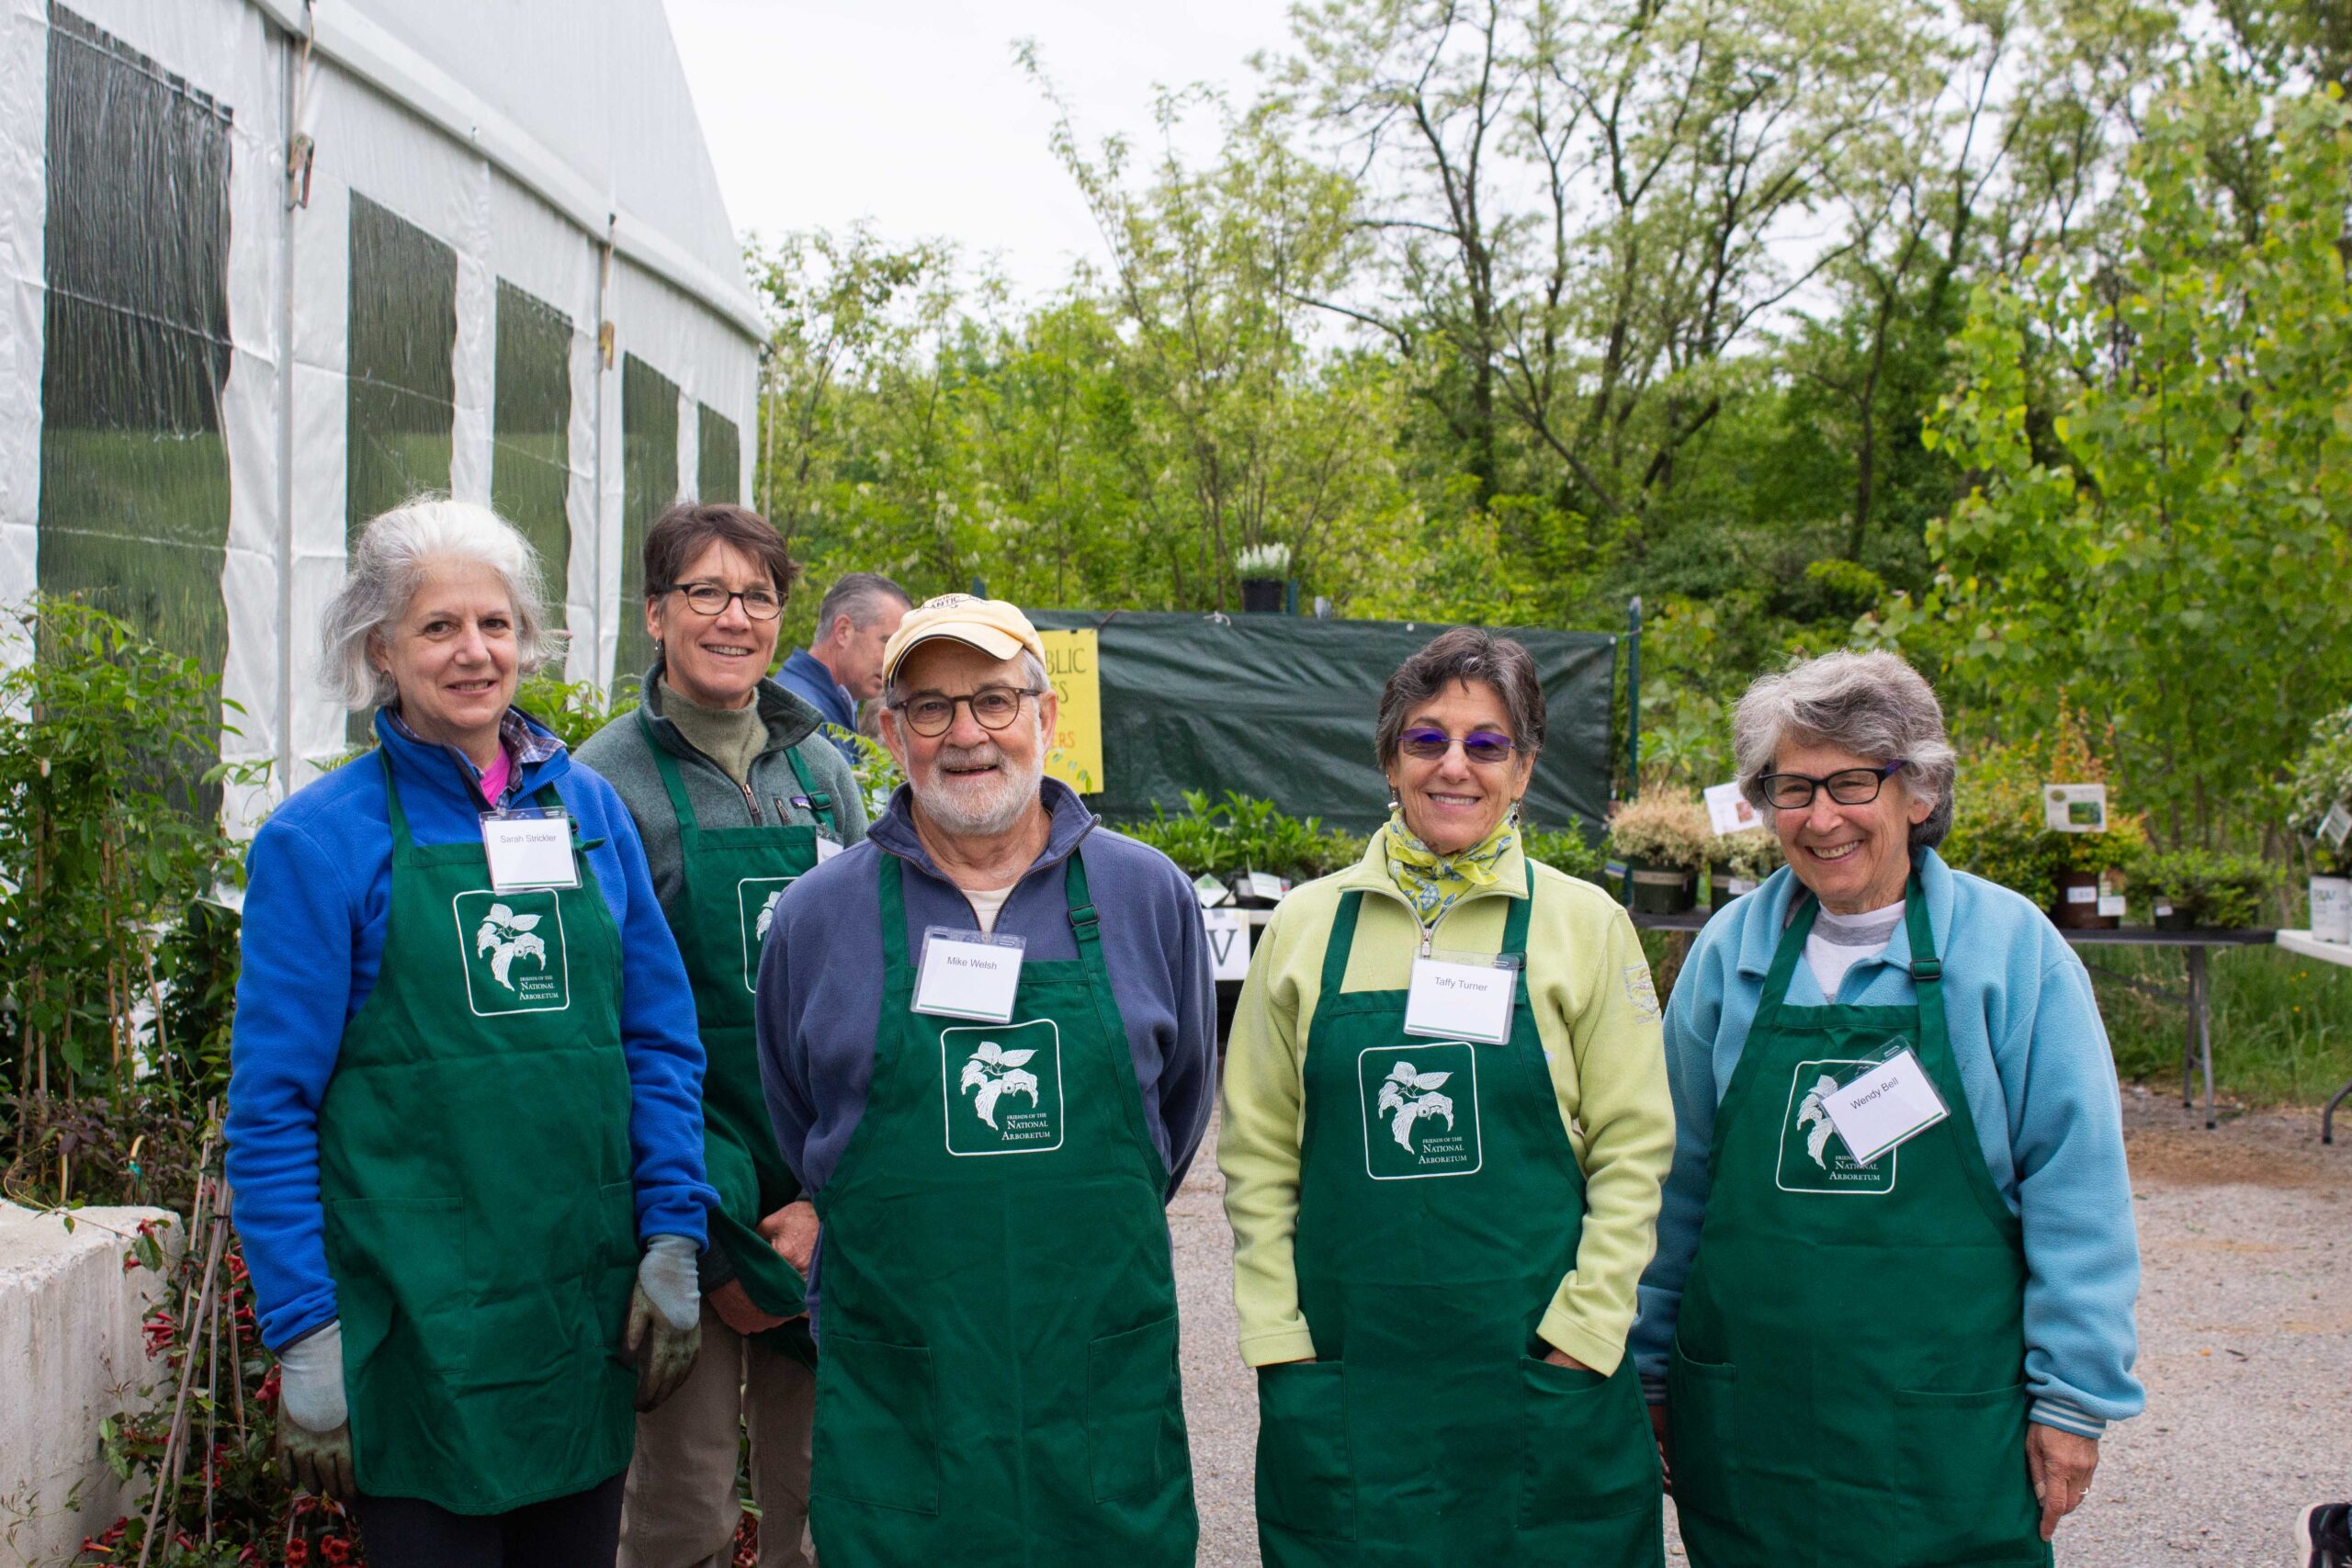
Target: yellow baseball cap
994,626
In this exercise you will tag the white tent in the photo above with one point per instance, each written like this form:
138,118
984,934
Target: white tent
272,267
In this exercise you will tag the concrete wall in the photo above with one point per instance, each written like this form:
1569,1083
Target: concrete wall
71,1355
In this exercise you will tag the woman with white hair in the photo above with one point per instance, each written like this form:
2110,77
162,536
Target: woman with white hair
465,1086
1891,1312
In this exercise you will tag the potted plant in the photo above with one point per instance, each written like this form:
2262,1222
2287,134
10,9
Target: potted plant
2201,890
2090,872
2323,813
1663,838
1262,570
1739,862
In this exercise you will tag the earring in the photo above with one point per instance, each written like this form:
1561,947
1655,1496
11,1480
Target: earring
1394,801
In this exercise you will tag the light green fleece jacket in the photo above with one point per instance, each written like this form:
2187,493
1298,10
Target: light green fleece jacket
1596,1013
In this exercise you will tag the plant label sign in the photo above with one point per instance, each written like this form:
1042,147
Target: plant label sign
2337,825
1728,811
1228,934
2075,808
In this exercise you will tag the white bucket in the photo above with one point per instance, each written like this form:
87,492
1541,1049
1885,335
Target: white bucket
2332,908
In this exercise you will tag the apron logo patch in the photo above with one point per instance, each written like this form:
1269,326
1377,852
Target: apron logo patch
1003,1088
1420,1110
755,902
1813,1156
1641,990
511,948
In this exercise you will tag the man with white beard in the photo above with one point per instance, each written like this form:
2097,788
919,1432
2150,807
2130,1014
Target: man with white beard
990,1122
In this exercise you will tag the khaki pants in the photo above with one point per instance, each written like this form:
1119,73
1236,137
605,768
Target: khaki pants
681,1506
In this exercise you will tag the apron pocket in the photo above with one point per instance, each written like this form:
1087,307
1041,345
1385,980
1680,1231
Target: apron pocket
1965,1485
1699,1434
876,1425
1130,1378
1586,1451
1306,1478
400,1277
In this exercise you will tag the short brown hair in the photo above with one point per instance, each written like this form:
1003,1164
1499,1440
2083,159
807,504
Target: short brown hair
693,527
1466,654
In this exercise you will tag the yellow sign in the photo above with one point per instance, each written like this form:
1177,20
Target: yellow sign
1077,755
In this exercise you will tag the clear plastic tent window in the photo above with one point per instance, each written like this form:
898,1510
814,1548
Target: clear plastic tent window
135,472
648,488
530,461
271,268
719,462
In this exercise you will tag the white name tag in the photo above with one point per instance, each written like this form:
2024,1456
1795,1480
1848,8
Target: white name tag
826,849
527,853
966,974
1461,998
1885,1105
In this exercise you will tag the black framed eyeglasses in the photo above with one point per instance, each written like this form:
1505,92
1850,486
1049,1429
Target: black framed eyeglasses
1848,786
710,598
932,713
1484,746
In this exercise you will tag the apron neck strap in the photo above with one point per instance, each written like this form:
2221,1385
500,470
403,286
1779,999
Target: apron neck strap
1926,969
1522,910
891,887
1342,940
401,839
820,805
673,781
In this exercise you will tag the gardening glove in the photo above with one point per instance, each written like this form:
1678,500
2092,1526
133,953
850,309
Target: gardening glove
314,1421
664,1318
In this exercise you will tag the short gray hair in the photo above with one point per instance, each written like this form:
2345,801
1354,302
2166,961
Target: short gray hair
388,562
1873,704
860,596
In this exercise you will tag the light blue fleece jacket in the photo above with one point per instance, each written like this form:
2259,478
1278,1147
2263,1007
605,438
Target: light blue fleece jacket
2040,1085
319,888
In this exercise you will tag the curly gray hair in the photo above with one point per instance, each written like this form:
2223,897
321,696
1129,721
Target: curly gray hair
389,560
1873,704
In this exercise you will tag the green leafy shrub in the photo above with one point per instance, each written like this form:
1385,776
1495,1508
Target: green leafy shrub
1242,833
574,709
2323,779
2209,888
1566,850
1662,828
1751,856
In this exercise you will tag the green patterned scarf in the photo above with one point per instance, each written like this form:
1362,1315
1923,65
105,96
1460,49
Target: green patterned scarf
1434,883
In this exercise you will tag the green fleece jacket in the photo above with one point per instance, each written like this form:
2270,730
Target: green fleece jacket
1596,1014
619,753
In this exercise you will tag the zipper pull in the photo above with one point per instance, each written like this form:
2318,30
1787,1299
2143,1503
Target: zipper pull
1428,936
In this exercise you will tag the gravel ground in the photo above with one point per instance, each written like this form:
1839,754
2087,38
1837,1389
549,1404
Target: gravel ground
2245,1344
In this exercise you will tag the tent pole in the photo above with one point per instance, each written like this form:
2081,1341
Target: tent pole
1634,696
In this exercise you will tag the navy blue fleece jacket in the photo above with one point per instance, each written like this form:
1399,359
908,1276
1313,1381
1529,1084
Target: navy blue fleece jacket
319,891
821,979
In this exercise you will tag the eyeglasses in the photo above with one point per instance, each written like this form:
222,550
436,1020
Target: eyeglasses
1848,786
931,713
1483,745
710,598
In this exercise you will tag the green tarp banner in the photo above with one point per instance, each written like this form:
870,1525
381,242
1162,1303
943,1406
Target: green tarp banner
1282,707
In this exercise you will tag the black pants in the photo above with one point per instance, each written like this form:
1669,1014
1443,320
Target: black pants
582,1531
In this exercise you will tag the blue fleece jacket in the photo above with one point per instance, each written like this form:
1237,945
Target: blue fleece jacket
821,979
2040,1085
319,888
806,677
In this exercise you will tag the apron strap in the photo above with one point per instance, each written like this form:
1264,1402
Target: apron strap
820,805
1341,943
1784,962
401,839
891,882
1515,929
1085,925
672,780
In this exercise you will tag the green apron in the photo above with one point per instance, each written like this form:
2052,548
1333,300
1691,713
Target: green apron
474,1166
731,880
999,1380
1846,1382
1439,1207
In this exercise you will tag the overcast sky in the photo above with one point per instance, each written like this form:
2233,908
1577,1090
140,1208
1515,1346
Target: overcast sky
914,116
